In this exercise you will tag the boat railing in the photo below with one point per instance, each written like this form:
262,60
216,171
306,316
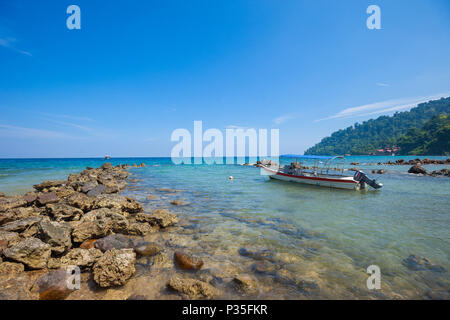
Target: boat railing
299,167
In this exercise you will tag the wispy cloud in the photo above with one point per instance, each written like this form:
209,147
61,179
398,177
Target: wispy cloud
383,107
279,120
9,43
232,126
69,124
67,116
382,84
21,132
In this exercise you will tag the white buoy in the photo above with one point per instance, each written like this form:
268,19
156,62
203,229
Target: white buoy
230,178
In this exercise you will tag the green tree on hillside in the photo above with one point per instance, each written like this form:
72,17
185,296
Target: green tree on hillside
385,131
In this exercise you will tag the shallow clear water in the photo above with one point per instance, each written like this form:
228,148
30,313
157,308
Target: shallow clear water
323,235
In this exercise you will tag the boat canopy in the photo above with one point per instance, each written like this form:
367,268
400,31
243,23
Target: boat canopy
306,156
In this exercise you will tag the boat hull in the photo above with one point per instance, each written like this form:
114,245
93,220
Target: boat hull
340,183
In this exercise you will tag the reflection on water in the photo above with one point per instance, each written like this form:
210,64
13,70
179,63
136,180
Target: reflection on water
298,241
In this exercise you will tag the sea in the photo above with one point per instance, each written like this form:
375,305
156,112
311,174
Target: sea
325,238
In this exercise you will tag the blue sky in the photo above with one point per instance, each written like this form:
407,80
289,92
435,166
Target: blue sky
137,70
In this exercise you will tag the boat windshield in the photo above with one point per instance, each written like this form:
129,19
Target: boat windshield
317,165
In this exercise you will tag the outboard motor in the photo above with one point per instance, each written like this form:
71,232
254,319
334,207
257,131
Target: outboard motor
362,178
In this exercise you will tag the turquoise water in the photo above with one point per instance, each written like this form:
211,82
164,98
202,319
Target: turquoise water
324,235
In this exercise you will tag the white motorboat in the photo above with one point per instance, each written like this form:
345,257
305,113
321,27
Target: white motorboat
325,172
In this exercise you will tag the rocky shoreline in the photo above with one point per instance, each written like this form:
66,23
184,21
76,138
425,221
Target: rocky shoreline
82,223
125,251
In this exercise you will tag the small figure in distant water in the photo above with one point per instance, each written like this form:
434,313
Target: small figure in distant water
230,178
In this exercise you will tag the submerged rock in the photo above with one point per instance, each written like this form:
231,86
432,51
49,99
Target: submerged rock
417,169
15,284
442,172
417,263
160,217
192,288
187,262
147,249
263,254
54,285
264,267
178,203
114,268
32,252
245,284
160,261
114,241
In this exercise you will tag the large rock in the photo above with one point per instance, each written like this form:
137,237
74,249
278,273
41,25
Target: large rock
114,268
30,198
83,258
10,237
20,225
417,169
64,191
114,241
98,190
17,214
99,223
114,201
192,288
187,262
112,185
11,268
160,217
80,201
7,203
47,197
32,252
140,229
88,186
57,235
63,212
49,184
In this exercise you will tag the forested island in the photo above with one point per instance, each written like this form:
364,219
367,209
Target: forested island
423,130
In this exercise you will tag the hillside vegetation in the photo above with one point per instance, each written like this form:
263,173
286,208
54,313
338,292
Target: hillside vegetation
421,130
